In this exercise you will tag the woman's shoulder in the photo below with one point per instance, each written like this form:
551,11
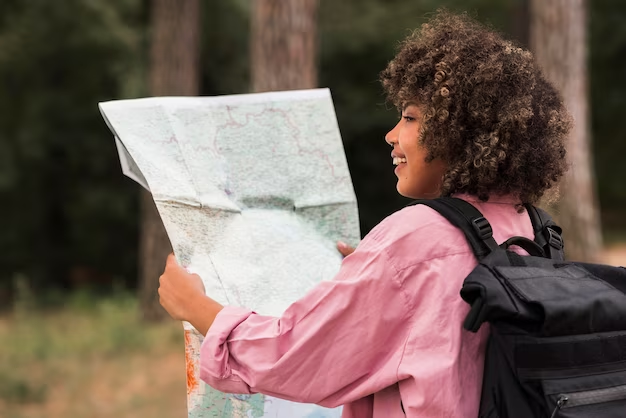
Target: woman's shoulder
417,232
409,219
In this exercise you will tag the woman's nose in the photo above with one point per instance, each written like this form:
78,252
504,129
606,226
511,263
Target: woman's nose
392,136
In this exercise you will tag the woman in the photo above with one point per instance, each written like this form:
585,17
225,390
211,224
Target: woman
384,338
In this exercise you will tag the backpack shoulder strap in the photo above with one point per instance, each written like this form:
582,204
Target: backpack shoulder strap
547,233
468,219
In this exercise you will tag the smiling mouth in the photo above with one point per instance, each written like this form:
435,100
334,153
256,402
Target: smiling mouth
398,160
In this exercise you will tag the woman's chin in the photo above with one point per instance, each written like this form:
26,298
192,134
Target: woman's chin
405,191
414,193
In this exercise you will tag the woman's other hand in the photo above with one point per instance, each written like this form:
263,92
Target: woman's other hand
344,248
182,294
178,288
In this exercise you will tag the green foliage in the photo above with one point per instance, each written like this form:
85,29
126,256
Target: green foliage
60,187
608,103
86,326
37,345
18,389
225,57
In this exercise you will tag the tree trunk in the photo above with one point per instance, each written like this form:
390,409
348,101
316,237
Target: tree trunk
520,24
174,71
559,42
284,44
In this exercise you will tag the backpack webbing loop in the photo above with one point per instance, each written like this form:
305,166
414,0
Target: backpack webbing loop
547,233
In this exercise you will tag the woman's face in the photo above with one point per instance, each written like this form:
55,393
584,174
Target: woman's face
417,179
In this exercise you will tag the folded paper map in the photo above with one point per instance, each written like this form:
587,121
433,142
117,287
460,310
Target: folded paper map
254,191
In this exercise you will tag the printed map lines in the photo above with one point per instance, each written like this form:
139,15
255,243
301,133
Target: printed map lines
303,150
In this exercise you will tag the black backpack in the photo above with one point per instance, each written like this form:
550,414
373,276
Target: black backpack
557,346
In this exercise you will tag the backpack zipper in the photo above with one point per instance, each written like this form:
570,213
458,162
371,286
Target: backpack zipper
559,404
589,397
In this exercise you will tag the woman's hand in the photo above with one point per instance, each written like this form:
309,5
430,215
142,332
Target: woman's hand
182,294
344,248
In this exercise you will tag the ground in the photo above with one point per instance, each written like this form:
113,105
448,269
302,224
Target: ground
91,362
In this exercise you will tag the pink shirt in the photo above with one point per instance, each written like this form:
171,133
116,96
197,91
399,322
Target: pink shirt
387,328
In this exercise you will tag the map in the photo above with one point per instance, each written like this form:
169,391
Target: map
254,192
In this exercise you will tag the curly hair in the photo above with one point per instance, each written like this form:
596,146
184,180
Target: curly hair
488,112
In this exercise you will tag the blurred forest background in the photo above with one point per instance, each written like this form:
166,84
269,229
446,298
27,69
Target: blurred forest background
78,235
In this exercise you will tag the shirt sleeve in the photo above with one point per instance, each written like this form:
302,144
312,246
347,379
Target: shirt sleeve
341,342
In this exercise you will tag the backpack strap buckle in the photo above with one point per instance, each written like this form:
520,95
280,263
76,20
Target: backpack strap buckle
547,233
482,228
554,239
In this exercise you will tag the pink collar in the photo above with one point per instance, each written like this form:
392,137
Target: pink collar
501,199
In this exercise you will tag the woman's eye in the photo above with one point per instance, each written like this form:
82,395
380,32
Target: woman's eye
408,118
